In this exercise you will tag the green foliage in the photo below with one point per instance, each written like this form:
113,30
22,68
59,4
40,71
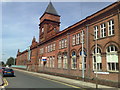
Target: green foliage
2,64
10,61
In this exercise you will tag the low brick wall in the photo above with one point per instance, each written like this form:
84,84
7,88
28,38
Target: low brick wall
93,80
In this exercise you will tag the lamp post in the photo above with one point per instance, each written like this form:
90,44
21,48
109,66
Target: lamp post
39,63
14,61
82,41
95,36
68,54
96,59
29,53
28,57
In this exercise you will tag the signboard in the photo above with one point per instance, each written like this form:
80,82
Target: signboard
102,72
44,58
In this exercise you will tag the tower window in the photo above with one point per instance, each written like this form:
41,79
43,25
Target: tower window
42,30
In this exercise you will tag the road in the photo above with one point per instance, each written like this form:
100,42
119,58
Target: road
25,80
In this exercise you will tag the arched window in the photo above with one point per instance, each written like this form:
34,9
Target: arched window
59,61
65,60
112,58
98,61
74,61
80,60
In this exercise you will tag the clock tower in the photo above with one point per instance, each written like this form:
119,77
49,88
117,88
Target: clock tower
49,23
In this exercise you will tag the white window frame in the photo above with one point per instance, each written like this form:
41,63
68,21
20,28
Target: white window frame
42,29
103,30
95,30
60,44
65,61
78,38
46,49
53,47
111,28
112,58
74,63
65,43
99,62
59,61
73,40
41,50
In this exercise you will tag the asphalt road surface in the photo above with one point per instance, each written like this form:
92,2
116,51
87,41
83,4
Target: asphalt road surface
25,80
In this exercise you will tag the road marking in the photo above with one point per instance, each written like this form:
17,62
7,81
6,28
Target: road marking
60,82
33,74
57,81
5,82
2,87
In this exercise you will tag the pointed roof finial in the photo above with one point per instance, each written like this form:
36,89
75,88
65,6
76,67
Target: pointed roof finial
18,50
50,9
34,39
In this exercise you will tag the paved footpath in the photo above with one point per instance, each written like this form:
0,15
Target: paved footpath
69,81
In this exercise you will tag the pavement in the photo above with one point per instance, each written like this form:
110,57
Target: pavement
1,82
78,83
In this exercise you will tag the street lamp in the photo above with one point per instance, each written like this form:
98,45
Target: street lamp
95,36
96,58
82,41
68,54
29,53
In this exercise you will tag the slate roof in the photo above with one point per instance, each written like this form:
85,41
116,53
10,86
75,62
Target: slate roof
50,9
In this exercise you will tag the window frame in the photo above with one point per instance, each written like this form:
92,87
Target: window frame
99,64
103,30
111,30
112,53
96,30
73,40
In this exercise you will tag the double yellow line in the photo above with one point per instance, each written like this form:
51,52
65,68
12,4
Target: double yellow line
5,82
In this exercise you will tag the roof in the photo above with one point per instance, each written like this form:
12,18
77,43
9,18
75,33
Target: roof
50,9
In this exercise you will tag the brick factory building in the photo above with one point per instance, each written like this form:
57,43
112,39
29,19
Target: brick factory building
63,49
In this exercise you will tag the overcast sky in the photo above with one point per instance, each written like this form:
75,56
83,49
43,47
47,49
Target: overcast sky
20,21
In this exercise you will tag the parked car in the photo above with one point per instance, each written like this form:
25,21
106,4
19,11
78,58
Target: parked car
8,72
3,68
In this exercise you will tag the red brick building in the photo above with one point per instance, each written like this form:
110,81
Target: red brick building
63,49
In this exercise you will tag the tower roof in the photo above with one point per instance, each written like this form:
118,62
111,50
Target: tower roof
50,9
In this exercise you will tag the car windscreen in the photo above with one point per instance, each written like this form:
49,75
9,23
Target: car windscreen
8,70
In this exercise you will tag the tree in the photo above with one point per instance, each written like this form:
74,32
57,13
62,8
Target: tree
3,64
10,61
